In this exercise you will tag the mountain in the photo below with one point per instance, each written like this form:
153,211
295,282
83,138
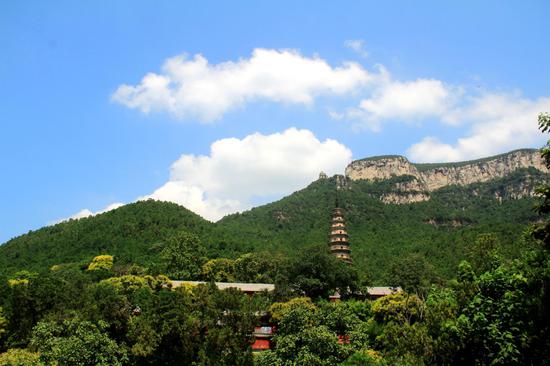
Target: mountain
393,208
431,177
132,232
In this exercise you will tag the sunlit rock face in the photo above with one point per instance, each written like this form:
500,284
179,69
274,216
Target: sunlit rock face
430,177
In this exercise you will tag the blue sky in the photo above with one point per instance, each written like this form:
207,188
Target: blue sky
280,91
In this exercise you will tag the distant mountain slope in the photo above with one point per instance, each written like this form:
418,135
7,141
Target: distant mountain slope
381,233
129,232
438,226
430,177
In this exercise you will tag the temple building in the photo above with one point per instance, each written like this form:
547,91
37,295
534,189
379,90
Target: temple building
338,238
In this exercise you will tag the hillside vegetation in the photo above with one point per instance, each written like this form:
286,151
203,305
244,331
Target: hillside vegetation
133,233
471,262
380,234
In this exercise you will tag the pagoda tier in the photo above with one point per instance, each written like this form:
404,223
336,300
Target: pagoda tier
338,237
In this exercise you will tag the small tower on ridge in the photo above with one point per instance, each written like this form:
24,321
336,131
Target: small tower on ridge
338,238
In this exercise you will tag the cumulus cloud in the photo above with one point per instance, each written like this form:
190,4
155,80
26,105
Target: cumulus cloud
495,122
409,100
357,46
87,212
194,88
403,101
238,171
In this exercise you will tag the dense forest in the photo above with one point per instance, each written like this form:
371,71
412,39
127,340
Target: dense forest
380,234
474,270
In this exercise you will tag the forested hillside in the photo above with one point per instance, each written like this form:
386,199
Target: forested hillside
98,290
134,233
381,234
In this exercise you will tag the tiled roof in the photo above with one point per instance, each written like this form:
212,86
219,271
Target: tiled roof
245,287
383,290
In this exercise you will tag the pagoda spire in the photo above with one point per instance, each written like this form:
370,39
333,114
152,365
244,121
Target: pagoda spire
338,237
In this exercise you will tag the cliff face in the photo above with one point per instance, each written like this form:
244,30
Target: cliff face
430,177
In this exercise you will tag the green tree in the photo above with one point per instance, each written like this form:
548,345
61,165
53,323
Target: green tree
167,331
407,343
314,346
101,262
3,323
495,325
413,273
301,339
76,342
294,316
339,316
364,358
400,308
219,270
482,251
21,310
230,331
317,274
20,357
257,267
442,309
183,256
542,231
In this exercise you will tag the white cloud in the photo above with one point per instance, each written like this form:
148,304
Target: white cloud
357,46
193,88
409,100
196,199
87,212
404,101
239,170
496,123
80,214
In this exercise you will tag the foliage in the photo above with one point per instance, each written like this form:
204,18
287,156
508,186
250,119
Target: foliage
219,269
259,267
20,357
367,357
400,308
101,262
308,333
133,233
407,343
76,342
342,316
317,274
476,286
380,234
481,252
315,346
3,323
413,273
183,256
279,309
542,231
495,324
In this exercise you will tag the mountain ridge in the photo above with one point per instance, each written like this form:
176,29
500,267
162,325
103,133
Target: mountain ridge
380,231
432,176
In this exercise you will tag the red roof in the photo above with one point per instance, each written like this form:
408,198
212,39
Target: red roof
343,339
261,344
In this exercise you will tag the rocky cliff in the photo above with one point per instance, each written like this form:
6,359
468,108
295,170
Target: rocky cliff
429,177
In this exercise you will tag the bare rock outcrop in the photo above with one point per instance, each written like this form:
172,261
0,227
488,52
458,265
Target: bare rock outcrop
401,198
430,177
